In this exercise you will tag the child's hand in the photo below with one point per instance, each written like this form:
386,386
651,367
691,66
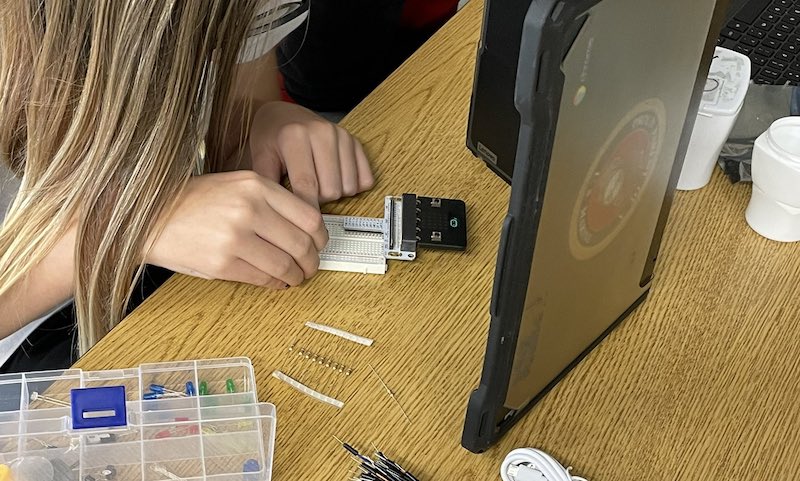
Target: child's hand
323,161
239,226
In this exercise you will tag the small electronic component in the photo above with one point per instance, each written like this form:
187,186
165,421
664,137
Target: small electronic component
400,239
321,360
35,396
157,391
104,438
251,468
379,467
230,386
441,223
391,393
363,244
363,224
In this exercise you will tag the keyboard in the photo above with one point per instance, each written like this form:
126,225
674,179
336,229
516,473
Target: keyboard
767,31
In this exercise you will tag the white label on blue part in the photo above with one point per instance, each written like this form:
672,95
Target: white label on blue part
99,414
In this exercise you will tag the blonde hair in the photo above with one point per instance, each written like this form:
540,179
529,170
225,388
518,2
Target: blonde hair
103,107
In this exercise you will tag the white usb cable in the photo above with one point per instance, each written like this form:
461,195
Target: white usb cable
528,464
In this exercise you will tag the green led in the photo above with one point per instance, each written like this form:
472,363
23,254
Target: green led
230,386
203,388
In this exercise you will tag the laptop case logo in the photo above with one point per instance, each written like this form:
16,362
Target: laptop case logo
487,154
617,178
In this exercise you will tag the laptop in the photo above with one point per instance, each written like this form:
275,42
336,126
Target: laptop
605,93
767,31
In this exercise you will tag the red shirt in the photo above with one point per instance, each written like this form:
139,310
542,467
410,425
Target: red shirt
427,13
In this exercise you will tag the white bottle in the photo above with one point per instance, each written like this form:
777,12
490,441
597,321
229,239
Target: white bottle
723,97
774,209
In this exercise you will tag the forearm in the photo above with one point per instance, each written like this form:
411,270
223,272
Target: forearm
255,84
257,81
45,287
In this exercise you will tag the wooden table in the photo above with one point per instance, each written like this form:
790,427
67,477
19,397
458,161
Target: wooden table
701,382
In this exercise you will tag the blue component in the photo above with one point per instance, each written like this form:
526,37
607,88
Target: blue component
148,396
251,466
157,388
99,407
190,388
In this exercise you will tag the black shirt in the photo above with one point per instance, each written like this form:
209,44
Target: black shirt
346,49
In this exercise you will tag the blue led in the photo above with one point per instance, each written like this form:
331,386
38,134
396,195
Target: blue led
251,466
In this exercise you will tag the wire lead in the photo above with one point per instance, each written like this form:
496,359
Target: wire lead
390,392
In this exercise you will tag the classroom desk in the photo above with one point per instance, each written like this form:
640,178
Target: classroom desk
701,382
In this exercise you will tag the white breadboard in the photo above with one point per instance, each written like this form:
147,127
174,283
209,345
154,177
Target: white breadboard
363,244
355,245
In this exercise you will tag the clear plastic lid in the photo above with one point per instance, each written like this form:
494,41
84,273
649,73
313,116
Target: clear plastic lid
196,420
784,136
727,82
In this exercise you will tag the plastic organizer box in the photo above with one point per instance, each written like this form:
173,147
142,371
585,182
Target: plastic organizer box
192,420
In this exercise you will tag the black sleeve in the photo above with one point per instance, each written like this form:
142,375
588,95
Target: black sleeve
53,345
345,51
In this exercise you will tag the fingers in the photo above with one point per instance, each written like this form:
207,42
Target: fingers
271,260
325,146
290,239
298,156
324,162
347,163
366,180
242,271
267,163
272,231
249,229
296,211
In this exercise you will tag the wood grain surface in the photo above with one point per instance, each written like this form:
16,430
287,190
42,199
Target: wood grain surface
701,382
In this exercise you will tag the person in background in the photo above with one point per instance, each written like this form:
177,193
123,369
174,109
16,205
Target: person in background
349,47
150,132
